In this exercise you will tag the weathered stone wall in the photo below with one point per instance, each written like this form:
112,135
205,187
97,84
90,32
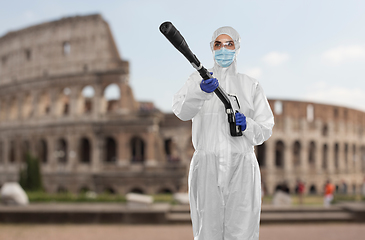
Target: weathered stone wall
83,141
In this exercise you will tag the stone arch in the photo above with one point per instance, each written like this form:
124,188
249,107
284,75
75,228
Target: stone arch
325,156
312,189
87,93
325,130
165,190
137,190
44,103
85,150
261,154
63,102
112,94
171,150
296,153
61,151
279,154
42,151
137,150
110,150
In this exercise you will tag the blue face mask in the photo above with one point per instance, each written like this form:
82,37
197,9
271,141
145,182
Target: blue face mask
224,57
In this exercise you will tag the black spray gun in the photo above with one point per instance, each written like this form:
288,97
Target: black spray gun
174,36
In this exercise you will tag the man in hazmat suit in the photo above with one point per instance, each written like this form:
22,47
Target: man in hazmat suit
224,176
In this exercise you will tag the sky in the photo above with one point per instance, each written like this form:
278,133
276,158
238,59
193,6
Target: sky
305,50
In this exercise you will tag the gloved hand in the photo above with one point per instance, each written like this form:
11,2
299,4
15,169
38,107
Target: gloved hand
241,120
209,85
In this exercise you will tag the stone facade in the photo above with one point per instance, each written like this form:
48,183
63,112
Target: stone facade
84,141
53,104
314,143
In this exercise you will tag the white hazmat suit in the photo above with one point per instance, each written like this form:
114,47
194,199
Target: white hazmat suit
224,176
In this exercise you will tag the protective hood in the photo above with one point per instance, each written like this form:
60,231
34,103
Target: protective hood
237,40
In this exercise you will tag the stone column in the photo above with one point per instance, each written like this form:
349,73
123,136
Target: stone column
123,156
97,101
150,156
304,156
98,143
330,158
319,157
52,159
74,101
73,158
288,159
54,102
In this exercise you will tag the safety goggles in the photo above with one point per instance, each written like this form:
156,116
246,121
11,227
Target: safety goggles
226,43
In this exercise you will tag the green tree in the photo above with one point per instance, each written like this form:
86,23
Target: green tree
30,177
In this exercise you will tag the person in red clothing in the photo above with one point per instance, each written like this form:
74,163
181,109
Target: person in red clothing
301,188
328,193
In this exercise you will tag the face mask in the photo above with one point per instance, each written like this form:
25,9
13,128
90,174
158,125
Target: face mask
224,57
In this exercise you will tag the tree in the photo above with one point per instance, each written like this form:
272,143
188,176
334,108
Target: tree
30,177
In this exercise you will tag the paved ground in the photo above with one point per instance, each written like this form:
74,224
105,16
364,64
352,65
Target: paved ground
340,231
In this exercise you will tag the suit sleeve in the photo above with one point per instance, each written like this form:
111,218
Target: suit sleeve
259,128
189,100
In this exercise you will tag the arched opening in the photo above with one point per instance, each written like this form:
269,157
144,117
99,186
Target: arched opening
278,107
112,95
42,151
165,191
138,150
261,151
137,190
88,94
336,156
325,130
61,151
44,104
279,154
312,190
312,154
85,150
296,153
310,113
111,150
324,156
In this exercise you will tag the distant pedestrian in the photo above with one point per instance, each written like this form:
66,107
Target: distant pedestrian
300,191
328,193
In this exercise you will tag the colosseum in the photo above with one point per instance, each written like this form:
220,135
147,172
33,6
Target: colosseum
54,104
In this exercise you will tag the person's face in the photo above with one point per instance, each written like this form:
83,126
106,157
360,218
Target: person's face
225,41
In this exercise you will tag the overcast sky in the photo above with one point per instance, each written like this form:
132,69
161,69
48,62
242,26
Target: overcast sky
308,50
